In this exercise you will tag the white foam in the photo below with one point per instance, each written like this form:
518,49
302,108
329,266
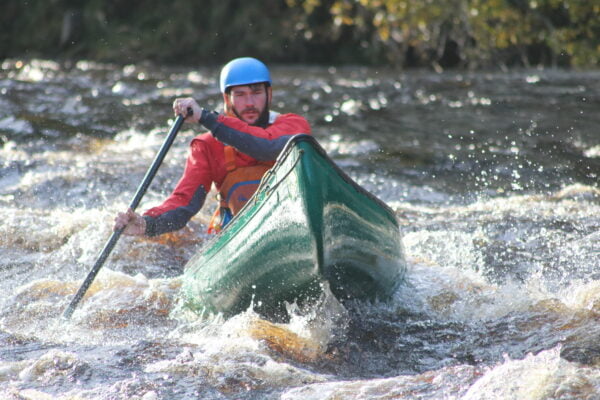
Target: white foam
542,376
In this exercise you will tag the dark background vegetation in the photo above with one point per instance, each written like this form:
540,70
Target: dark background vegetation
400,33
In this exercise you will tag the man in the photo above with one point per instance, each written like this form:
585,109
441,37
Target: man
241,145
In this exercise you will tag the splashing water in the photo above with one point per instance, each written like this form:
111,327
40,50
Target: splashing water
493,178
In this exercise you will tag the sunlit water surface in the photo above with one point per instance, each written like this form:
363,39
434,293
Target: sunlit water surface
493,177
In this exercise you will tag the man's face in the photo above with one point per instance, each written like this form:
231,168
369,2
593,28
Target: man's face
248,102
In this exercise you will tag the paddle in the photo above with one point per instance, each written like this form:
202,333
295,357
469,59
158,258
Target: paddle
133,205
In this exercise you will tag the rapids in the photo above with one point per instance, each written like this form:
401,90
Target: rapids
493,177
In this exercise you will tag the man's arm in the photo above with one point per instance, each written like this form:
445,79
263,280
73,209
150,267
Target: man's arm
188,196
264,144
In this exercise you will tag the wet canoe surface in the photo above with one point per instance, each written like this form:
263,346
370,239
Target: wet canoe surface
308,225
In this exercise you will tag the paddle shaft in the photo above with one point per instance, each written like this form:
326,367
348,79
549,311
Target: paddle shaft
114,238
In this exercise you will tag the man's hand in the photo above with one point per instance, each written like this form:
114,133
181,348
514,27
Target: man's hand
134,224
181,105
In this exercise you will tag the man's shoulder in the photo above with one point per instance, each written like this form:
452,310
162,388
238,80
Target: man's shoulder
205,139
284,115
293,120
290,117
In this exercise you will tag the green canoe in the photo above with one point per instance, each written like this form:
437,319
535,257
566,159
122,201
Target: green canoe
307,224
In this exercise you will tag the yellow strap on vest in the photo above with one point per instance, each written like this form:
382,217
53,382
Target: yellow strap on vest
239,184
230,159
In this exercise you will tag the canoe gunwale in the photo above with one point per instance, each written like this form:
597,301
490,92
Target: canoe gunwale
308,138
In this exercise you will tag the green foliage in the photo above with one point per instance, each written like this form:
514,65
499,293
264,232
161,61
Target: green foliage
479,32
438,33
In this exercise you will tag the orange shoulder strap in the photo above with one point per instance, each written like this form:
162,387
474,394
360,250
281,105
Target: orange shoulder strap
230,159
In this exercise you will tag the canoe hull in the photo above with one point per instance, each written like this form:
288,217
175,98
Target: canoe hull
307,224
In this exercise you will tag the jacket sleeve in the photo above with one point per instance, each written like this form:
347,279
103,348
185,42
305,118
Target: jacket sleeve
188,196
263,144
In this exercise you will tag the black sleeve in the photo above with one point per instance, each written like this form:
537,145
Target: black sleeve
177,218
259,148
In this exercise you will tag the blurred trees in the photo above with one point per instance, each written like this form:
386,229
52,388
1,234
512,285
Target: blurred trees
471,33
437,33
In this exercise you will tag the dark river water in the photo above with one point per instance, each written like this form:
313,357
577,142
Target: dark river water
493,177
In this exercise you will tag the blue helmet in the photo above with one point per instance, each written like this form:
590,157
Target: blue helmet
244,71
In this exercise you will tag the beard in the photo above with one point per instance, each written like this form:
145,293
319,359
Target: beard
263,118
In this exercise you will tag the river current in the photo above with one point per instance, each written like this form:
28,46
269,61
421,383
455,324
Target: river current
492,175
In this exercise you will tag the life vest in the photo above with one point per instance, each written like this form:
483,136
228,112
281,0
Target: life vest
237,188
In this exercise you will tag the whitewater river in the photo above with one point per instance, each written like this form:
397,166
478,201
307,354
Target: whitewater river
493,177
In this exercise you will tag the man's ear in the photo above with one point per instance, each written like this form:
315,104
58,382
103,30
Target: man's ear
269,95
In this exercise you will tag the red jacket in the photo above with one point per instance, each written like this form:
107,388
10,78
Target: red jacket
206,163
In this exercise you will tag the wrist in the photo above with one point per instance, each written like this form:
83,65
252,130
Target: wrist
143,225
149,226
208,119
